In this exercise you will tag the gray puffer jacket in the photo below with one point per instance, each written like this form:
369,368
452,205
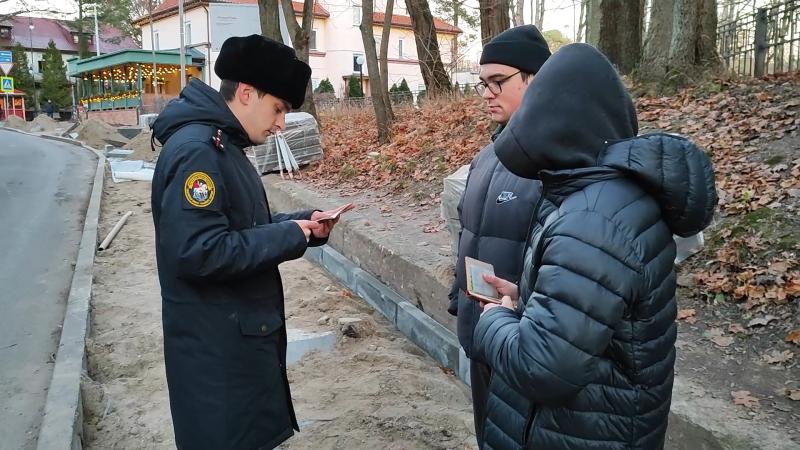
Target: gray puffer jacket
590,350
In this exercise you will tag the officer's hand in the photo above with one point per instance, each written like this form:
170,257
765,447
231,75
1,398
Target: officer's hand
309,227
503,287
325,229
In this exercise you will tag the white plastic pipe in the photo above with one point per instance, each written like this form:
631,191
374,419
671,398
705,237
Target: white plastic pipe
107,241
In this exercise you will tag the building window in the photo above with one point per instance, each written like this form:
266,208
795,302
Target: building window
312,40
377,43
5,33
400,48
76,38
155,41
356,65
187,34
40,64
356,16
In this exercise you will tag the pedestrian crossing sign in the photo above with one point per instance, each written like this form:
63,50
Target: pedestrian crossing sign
7,84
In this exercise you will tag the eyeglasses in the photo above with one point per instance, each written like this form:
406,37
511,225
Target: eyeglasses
495,86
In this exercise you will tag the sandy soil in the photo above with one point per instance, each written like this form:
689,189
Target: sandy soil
42,123
377,391
141,147
16,123
97,134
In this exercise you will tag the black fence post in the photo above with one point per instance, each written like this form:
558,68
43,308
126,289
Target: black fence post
760,44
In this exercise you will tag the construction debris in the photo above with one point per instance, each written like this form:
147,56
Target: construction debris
302,137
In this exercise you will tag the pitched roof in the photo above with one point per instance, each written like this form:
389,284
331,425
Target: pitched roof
405,22
170,7
59,31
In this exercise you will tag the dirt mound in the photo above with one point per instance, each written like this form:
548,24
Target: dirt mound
45,124
97,134
16,123
141,147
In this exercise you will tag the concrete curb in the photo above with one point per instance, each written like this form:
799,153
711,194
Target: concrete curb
408,269
428,334
691,426
62,425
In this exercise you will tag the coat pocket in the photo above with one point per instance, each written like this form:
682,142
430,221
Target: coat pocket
259,322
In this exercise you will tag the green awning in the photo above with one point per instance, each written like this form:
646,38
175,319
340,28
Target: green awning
76,67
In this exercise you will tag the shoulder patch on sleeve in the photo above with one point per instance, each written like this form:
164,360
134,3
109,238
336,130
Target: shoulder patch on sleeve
199,189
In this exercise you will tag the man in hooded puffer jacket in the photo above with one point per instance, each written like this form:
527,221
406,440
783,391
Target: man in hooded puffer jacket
495,209
590,346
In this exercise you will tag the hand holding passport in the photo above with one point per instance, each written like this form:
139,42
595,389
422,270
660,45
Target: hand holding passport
333,214
477,287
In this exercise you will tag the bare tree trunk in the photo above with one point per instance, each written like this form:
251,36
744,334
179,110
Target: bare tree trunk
707,35
494,18
300,35
83,45
655,57
582,22
381,113
518,12
270,23
430,60
539,22
384,57
378,98
619,33
693,49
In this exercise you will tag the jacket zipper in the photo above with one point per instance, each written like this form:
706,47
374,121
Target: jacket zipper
520,303
533,413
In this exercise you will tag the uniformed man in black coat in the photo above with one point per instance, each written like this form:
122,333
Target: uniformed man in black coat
218,248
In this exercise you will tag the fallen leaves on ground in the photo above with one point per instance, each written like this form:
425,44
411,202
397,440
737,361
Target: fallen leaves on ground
718,337
793,337
733,120
744,398
687,315
778,357
736,328
761,321
427,144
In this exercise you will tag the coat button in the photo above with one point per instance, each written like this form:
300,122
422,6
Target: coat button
263,328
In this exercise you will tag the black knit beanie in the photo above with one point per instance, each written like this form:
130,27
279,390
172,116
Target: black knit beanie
522,47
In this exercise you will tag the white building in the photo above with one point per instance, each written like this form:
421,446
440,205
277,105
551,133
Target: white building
335,42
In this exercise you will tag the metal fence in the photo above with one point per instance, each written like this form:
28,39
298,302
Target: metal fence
762,43
412,98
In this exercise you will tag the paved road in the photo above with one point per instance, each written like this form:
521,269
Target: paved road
44,191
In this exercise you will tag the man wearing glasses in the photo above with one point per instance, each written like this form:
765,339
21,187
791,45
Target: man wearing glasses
496,208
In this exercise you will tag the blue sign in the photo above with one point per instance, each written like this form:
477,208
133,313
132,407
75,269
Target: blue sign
6,84
5,56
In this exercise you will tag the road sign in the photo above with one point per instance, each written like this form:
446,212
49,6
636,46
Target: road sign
6,84
6,62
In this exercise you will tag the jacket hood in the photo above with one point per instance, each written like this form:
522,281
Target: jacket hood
574,105
199,103
673,171
577,122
